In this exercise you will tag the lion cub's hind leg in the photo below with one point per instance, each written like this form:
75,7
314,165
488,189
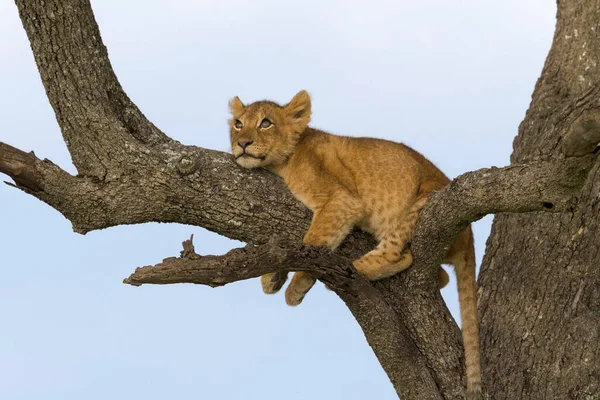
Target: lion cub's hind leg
377,266
387,259
329,226
390,256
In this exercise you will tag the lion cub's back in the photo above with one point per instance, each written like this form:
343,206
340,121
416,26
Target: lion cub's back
387,167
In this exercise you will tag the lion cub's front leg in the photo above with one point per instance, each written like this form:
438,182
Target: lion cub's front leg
329,226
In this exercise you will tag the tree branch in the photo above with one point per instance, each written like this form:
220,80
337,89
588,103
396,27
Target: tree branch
543,186
96,117
169,183
384,331
248,262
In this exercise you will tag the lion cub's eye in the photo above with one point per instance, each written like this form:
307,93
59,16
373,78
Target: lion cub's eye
265,123
238,124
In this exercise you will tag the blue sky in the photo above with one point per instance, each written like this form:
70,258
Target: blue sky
451,79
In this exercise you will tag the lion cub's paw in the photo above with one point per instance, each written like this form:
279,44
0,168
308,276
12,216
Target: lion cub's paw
294,297
299,286
272,283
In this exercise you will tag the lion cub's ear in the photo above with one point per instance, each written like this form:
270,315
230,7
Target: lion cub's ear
298,111
236,106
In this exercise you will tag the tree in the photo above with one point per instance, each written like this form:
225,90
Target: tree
539,336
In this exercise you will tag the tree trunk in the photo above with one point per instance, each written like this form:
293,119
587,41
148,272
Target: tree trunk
539,324
540,279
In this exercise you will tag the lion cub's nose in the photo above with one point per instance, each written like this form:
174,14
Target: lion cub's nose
245,144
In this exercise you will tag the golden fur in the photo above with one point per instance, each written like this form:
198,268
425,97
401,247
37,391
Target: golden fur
376,185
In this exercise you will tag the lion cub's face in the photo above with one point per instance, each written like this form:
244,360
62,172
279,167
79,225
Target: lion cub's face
264,132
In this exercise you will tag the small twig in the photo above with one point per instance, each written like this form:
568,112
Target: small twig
188,248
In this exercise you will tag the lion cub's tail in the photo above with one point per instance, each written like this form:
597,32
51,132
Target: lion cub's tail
464,263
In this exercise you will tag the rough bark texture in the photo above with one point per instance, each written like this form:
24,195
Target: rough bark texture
539,335
540,279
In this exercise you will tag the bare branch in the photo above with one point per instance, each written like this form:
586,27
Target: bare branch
548,186
170,183
244,263
384,331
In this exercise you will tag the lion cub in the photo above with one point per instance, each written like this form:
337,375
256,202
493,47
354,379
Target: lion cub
376,185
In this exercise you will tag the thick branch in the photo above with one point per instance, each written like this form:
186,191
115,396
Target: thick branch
548,186
171,183
181,184
96,117
384,331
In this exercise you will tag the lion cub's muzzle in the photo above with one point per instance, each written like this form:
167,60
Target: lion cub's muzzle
245,153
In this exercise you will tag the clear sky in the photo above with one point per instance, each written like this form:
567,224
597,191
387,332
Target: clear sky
452,79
